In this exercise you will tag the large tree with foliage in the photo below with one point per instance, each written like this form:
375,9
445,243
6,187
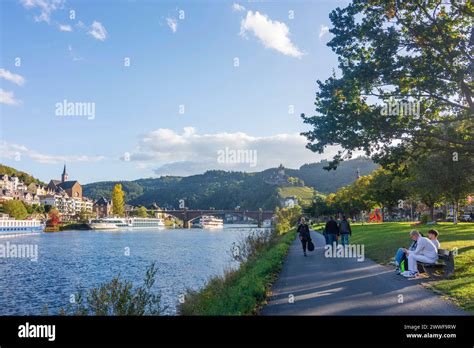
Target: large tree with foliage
424,183
352,199
404,51
118,202
386,188
15,208
454,176
142,212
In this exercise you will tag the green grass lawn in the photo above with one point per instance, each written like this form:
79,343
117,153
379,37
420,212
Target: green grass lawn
382,240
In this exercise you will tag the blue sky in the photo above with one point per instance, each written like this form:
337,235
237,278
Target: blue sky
182,99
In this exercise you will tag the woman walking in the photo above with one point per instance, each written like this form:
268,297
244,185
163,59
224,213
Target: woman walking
305,236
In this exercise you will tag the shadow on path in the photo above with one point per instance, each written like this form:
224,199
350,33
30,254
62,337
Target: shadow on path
316,285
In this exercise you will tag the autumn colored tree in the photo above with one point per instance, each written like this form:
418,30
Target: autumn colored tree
54,217
118,201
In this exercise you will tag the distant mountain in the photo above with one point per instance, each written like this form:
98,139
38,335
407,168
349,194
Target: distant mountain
325,181
226,190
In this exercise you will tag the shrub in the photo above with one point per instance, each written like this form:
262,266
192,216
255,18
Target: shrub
424,218
242,291
251,245
118,297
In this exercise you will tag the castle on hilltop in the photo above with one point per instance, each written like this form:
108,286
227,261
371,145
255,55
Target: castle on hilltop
279,177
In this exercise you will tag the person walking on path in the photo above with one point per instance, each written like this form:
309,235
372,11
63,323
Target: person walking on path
332,231
305,236
345,230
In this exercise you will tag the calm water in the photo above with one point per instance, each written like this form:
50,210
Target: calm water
70,260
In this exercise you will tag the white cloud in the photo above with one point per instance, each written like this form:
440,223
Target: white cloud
323,31
272,34
97,30
7,97
237,7
65,27
9,76
80,25
172,24
168,152
45,8
11,151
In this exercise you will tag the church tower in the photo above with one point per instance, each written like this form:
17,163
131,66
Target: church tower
64,176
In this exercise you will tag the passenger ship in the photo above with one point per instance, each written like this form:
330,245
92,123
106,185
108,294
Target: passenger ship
209,221
114,223
9,226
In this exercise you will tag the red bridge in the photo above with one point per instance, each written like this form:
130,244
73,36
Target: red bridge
189,215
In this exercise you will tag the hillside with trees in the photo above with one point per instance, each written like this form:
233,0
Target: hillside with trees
227,190
25,177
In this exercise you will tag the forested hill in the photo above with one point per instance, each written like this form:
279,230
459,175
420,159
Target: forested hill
25,177
325,181
226,190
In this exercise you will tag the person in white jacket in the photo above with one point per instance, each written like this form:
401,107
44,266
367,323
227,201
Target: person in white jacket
425,252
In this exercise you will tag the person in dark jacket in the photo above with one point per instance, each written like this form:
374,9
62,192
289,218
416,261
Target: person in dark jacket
305,236
345,230
332,231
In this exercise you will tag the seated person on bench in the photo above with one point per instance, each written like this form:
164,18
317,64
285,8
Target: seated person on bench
433,237
401,258
425,252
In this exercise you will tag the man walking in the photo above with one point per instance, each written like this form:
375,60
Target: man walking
332,231
345,230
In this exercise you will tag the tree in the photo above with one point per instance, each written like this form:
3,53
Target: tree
354,198
54,217
455,176
287,218
142,212
16,209
118,203
386,188
404,53
84,215
424,184
118,297
319,206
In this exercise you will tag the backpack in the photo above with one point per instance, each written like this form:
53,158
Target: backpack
404,264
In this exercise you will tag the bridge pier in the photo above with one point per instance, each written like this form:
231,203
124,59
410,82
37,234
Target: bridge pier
260,218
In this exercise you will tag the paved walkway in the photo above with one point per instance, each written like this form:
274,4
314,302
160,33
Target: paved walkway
344,286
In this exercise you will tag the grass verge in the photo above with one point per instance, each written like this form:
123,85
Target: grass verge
241,291
382,240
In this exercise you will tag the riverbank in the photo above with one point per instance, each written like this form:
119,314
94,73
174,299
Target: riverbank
242,291
382,240
74,226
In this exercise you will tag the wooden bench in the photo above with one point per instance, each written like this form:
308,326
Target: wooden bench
444,264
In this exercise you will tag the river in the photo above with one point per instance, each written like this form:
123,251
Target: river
69,260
